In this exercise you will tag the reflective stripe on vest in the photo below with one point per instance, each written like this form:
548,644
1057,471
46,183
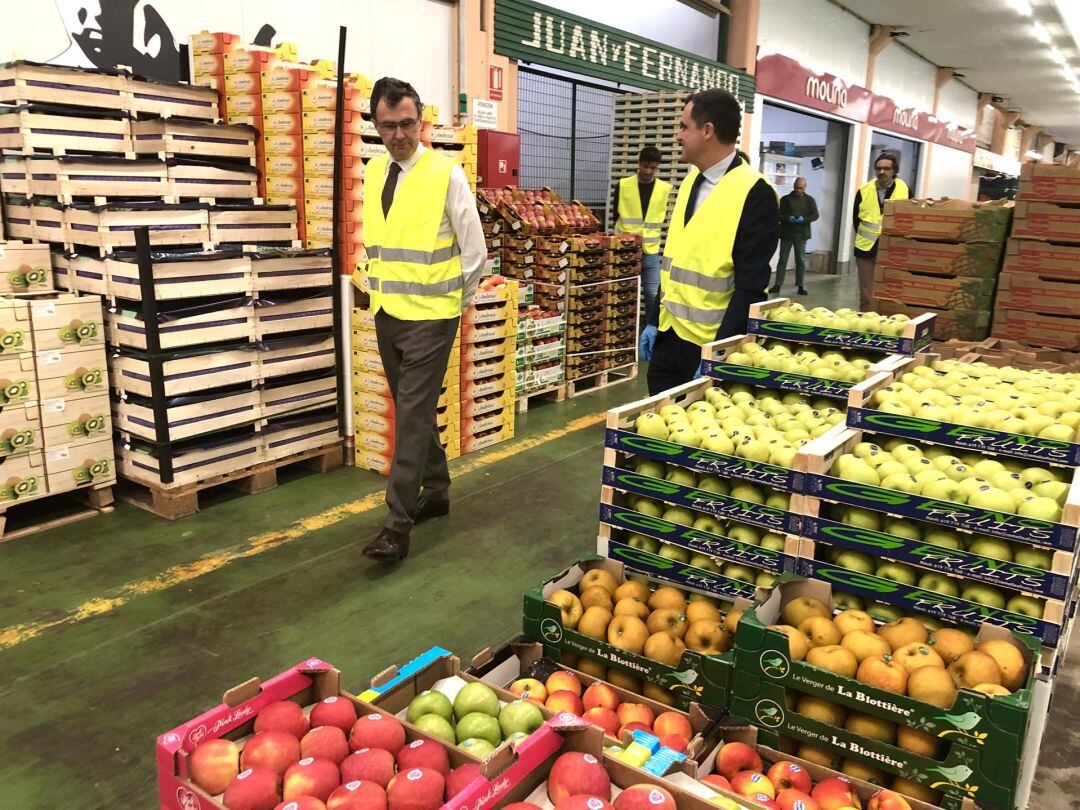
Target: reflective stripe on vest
648,224
413,273
697,273
870,216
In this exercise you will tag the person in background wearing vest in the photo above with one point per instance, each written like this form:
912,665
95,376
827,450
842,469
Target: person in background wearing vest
720,243
426,250
797,210
869,203
640,205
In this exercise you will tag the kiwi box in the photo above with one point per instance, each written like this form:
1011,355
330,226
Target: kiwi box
985,739
24,267
704,679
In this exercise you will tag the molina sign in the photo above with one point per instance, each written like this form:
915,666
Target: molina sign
531,32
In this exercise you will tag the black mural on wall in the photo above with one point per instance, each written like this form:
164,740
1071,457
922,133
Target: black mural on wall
106,34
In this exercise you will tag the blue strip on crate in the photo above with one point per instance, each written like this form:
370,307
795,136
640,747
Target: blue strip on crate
949,609
422,661
703,461
680,574
767,378
963,437
723,548
765,517
842,338
1005,525
935,558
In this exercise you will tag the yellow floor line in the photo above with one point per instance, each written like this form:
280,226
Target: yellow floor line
184,572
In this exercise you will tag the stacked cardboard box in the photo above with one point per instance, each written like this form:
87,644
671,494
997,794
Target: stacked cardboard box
373,405
1039,295
488,357
458,143
360,143
541,347
942,256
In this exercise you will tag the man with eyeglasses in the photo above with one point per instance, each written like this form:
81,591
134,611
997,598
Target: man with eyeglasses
867,217
425,252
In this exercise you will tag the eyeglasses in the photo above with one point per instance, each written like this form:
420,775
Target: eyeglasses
390,127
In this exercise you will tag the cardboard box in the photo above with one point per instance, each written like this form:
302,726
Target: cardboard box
243,107
947,220
948,323
320,95
1049,182
1054,331
249,59
1044,220
207,65
319,121
318,186
214,42
291,145
285,187
1043,259
1031,293
242,84
25,267
79,465
281,124
318,143
284,77
319,165
982,259
922,289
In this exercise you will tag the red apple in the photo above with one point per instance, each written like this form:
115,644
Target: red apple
311,777
887,800
325,742
736,756
416,789
717,781
676,742
793,799
357,795
763,800
644,797
581,802
368,765
252,789
460,778
301,803
564,701
834,793
424,754
273,750
563,681
213,764
574,773
632,727
333,711
786,775
284,715
377,731
672,723
635,713
603,718
750,783
600,695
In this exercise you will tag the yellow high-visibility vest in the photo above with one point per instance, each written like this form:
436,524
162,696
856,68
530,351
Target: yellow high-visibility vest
870,215
697,273
413,274
632,220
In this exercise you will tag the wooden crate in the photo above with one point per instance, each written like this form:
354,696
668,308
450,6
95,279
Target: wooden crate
22,82
190,178
181,326
146,97
80,465
253,224
64,373
187,416
176,276
111,227
38,510
305,391
70,177
576,386
925,289
278,313
15,176
186,374
64,321
62,130
18,218
173,137
48,218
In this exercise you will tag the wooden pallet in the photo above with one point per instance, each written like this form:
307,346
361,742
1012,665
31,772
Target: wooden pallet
50,511
601,379
556,393
179,502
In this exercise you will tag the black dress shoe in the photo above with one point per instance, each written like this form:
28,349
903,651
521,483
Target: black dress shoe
388,546
428,508
802,291
774,290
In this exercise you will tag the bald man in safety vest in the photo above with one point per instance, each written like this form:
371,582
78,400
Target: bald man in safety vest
641,205
425,252
867,217
718,256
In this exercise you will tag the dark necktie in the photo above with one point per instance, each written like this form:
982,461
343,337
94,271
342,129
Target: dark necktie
691,204
388,188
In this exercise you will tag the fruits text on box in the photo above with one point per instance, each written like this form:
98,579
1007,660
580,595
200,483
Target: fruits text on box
843,338
766,378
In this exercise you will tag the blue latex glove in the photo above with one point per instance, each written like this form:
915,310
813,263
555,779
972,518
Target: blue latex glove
648,340
799,218
697,374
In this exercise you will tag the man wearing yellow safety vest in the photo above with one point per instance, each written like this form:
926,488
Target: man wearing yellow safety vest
720,244
640,205
867,216
425,252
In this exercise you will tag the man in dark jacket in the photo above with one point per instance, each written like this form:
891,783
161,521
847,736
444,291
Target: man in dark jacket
797,210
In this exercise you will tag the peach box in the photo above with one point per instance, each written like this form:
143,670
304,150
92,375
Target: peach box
319,121
318,143
320,95
208,64
319,165
283,102
243,105
318,186
284,186
285,77
281,124
239,84
251,59
283,166
284,145
214,42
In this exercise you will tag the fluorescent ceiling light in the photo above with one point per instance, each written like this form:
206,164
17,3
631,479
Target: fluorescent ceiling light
1021,6
1040,32
1057,56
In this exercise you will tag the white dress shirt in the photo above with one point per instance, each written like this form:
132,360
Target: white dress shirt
461,219
712,177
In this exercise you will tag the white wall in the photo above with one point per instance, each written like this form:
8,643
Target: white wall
668,22
949,173
408,38
958,104
820,35
905,78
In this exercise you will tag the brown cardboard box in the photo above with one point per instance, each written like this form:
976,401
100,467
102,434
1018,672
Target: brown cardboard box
963,324
1048,182
1031,292
982,259
948,220
922,289
1050,221
1042,258
1054,331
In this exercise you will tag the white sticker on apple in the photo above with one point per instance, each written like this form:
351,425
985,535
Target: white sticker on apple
590,759
414,774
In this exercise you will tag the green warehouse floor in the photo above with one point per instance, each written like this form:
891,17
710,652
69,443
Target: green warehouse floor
118,628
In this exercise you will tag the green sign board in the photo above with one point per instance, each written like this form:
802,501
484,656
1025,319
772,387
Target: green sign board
532,32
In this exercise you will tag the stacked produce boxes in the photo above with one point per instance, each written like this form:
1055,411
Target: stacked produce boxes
1039,296
944,257
488,356
540,350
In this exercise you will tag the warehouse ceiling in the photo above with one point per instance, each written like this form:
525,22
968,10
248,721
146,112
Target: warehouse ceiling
997,48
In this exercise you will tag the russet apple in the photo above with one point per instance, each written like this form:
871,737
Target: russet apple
598,576
575,774
667,620
631,606
313,777
950,643
667,597
594,622
1010,662
215,763
822,710
915,791
860,770
903,631
785,775
835,659
731,621
707,636
848,621
915,655
864,644
881,672
798,643
974,668
563,681
628,633
657,693
699,610
795,611
918,742
818,756
992,689
734,757
664,648
624,681
820,631
932,685
632,590
252,789
597,596
569,606
867,725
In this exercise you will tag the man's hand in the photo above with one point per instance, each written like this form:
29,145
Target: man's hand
647,341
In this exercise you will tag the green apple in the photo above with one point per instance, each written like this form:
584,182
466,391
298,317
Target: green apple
778,500
765,580
476,698
653,469
773,542
890,467
973,484
481,749
718,444
748,493
685,435
1036,475
670,412
643,543
855,561
1041,508
739,572
943,489
1003,479
436,726
861,518
745,534
896,572
429,702
902,483
990,547
481,726
984,595
676,553
902,528
904,452
717,486
884,613
705,563
857,470
681,476
709,524
1055,490
1042,559
944,538
520,716
647,506
1026,605
783,456
651,425
703,407
939,583
848,601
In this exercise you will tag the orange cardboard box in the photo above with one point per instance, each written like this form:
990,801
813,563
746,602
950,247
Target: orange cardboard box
283,102
208,64
284,186
214,42
318,186
240,84
318,143
318,207
242,106
285,145
286,77
252,59
282,124
320,95
354,122
319,121
319,165
283,166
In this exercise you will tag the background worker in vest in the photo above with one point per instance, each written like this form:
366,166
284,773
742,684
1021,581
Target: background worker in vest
640,206
866,219
720,244
426,250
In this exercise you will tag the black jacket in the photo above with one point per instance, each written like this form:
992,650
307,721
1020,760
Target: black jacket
755,242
